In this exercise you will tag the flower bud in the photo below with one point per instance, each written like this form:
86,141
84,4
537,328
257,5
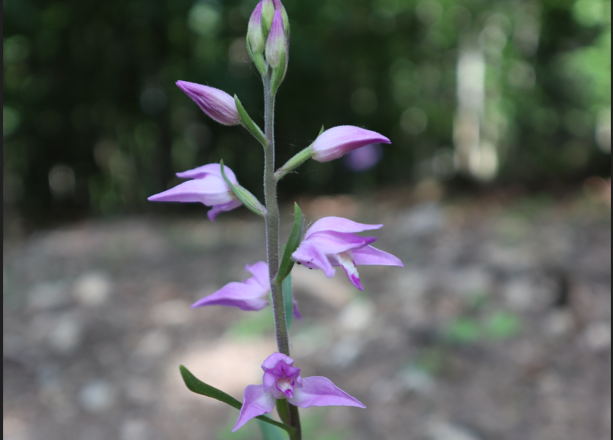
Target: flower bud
217,104
279,6
268,12
338,141
276,45
255,37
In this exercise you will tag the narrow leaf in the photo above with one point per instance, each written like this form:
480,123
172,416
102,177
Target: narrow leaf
321,131
288,300
248,123
269,432
292,244
248,199
197,386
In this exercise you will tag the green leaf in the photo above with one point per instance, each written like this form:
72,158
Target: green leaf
248,123
197,386
288,300
248,199
321,131
292,244
269,432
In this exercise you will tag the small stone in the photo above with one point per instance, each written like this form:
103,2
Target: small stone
97,396
14,428
65,333
134,429
356,316
173,312
140,391
598,336
92,288
422,220
153,344
519,294
418,380
346,351
438,430
48,295
559,323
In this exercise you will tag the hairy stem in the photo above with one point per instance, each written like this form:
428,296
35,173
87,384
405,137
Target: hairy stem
272,237
273,220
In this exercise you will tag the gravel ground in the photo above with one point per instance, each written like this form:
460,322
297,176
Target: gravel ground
499,327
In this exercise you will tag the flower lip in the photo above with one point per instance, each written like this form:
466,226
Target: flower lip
338,141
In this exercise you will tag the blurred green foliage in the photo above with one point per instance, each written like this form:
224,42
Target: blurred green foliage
93,122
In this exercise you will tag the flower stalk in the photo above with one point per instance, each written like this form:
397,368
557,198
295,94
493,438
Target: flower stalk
272,238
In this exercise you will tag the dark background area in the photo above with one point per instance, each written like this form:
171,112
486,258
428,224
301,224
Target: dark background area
93,123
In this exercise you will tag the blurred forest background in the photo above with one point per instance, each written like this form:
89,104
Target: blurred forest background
468,91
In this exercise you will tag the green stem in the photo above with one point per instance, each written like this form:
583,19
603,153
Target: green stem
272,236
273,220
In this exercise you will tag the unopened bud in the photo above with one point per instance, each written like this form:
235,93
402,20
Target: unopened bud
276,45
268,12
255,35
279,6
217,104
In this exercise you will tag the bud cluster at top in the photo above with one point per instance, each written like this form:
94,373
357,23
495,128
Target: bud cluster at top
268,35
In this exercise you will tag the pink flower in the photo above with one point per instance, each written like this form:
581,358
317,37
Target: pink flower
207,187
249,295
282,381
332,241
337,141
217,104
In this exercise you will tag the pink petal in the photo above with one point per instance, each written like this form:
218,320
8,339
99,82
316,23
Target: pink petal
209,191
337,141
256,402
309,256
320,391
272,361
217,104
222,208
241,295
328,242
338,224
368,256
211,168
260,273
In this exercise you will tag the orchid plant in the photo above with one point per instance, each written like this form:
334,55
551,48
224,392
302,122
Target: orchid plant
330,242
